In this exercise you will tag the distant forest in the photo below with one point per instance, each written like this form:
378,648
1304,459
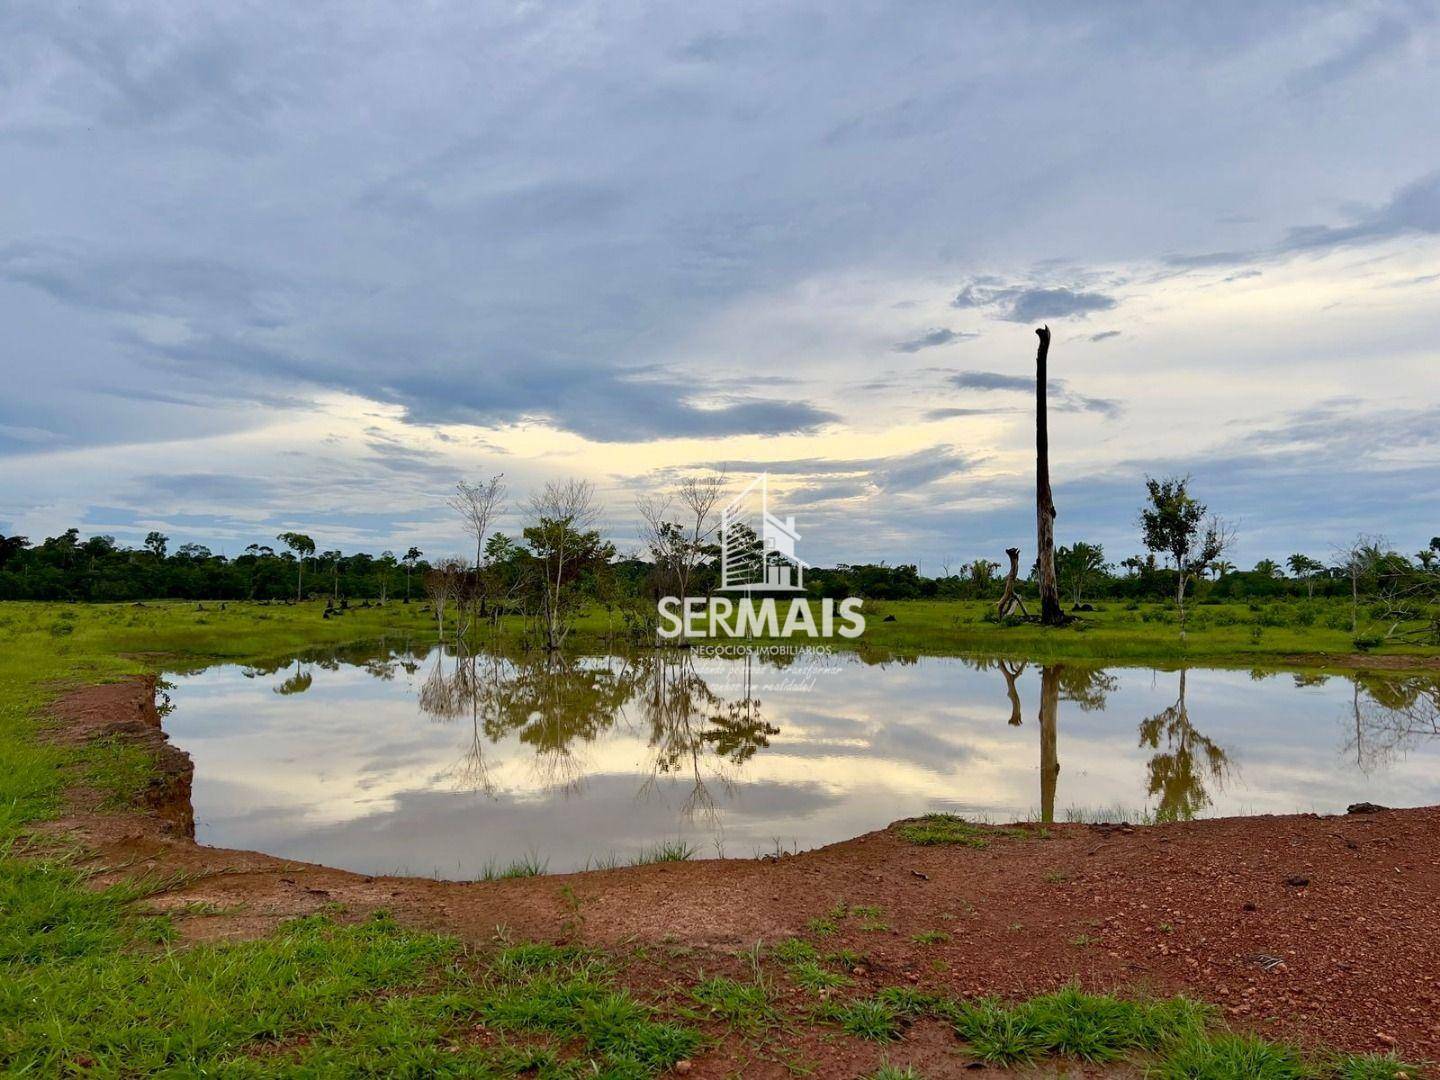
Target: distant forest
65,567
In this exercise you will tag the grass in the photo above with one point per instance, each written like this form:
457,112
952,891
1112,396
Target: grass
816,977
934,829
665,851
930,937
1314,634
530,865
865,1018
745,1006
894,1072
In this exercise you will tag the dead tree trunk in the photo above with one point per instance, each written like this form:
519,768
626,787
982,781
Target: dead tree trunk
1051,614
1011,598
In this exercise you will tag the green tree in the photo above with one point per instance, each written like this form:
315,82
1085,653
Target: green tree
156,543
564,544
1078,565
1268,568
386,565
1180,528
1305,568
303,547
412,556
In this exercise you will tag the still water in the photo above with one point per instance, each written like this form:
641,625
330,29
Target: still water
399,759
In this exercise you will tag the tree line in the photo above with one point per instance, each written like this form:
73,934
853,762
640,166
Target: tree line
558,561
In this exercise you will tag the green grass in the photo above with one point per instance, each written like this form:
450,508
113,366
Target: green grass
894,1072
864,1018
822,927
815,976
1291,632
930,937
935,829
530,865
665,851
889,1072
744,1006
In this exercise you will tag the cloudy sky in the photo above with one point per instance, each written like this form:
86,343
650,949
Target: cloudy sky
272,266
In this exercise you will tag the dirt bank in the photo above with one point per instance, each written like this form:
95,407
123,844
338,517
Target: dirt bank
1316,928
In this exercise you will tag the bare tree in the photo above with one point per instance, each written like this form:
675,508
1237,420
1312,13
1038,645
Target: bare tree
1051,614
564,540
1359,558
680,547
478,505
444,585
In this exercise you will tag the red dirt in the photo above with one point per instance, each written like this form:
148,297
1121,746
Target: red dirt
1349,959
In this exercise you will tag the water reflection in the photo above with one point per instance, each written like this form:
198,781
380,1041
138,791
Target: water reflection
555,704
1392,714
385,758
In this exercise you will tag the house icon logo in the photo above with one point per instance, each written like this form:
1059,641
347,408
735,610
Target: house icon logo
757,549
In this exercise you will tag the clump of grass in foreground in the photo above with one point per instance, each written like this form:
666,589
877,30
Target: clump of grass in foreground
575,999
529,866
864,1018
665,851
1072,1024
814,976
745,1006
895,1072
794,950
949,829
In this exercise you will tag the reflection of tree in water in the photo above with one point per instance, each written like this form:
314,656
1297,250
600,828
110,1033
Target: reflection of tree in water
552,703
692,728
1189,761
1085,686
1390,715
297,683
556,704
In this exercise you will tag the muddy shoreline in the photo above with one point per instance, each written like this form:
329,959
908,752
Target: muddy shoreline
1314,928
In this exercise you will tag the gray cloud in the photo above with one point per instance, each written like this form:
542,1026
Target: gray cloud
1059,394
933,338
1105,335
951,413
841,478
1016,303
1413,209
1383,37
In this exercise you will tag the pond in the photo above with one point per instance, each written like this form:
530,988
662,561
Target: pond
390,758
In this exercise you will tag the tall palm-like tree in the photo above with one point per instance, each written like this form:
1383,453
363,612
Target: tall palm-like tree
303,547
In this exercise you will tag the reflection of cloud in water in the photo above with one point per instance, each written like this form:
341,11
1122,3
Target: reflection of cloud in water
445,762
436,831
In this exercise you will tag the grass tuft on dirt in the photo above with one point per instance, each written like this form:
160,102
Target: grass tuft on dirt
935,829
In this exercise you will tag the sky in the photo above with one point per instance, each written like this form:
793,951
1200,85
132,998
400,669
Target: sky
273,266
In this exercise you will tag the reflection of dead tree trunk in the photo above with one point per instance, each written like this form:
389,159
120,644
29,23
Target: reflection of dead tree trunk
1011,674
1049,739
1011,598
1051,613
